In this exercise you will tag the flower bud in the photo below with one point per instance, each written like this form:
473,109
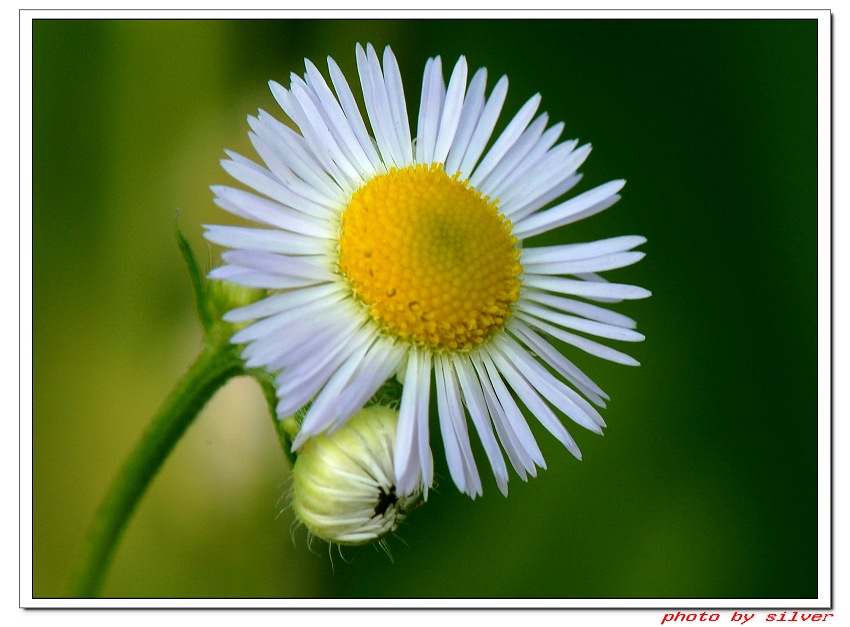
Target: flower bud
225,296
344,487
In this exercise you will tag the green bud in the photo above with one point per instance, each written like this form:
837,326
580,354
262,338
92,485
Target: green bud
343,487
213,299
225,296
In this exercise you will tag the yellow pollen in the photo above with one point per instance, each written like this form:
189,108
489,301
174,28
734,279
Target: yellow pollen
430,257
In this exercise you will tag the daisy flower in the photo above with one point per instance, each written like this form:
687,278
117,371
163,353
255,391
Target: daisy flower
392,254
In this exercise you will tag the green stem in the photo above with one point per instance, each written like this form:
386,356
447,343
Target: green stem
217,363
285,429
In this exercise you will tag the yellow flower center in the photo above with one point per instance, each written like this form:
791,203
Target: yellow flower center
430,257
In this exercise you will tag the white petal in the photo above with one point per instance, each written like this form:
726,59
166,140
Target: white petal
595,264
303,298
294,148
414,463
588,346
423,384
304,196
592,277
585,250
296,164
450,440
589,289
472,105
516,213
259,279
378,107
532,400
475,403
405,458
587,310
380,363
515,156
592,201
318,295
592,327
353,383
263,181
297,267
299,341
522,462
553,358
297,388
395,93
453,426
257,209
549,179
302,341
484,128
322,140
515,420
452,107
533,160
352,114
430,109
386,108
506,140
272,240
274,351
342,126
551,388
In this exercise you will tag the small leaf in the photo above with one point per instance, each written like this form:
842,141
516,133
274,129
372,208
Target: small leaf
198,281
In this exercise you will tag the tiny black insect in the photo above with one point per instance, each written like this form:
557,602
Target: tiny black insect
385,499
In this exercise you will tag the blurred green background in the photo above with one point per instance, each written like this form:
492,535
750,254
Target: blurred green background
705,482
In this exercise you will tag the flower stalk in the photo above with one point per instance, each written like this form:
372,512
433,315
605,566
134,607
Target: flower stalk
217,362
